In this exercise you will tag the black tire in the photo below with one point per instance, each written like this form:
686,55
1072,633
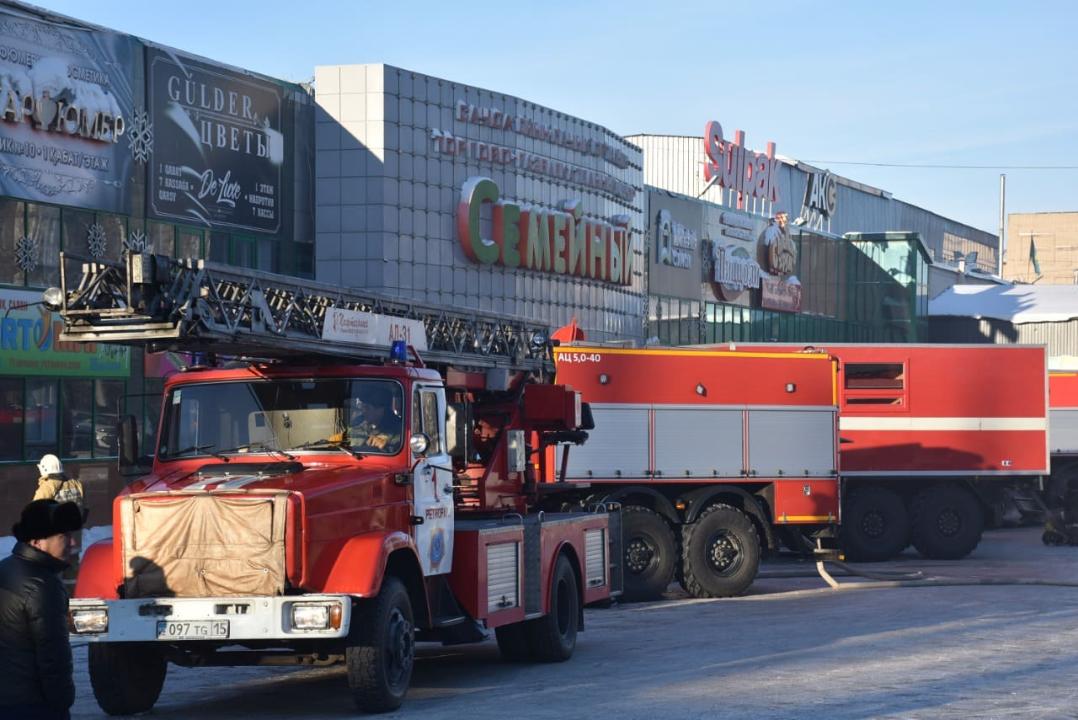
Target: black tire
947,522
875,525
720,553
650,554
513,642
126,677
381,650
552,638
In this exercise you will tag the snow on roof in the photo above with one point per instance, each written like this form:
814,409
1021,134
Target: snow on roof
1016,303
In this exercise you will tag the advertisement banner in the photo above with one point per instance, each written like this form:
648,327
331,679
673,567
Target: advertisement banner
781,294
219,146
29,345
66,113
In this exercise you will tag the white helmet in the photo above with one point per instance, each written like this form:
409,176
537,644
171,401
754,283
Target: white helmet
50,465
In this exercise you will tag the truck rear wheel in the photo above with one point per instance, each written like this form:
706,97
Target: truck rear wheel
875,525
552,638
721,553
650,554
126,677
947,522
381,649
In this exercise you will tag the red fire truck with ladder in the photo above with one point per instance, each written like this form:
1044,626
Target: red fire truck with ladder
324,499
931,438
712,454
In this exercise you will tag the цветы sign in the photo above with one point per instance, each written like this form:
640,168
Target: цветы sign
558,241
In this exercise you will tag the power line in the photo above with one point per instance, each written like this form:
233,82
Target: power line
932,166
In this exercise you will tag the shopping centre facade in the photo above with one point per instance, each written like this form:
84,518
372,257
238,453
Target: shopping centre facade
416,186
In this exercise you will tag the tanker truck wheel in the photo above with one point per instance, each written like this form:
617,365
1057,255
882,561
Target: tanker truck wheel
552,638
650,554
947,522
721,553
126,677
875,525
381,649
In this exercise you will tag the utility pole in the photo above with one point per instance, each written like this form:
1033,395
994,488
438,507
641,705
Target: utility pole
1002,223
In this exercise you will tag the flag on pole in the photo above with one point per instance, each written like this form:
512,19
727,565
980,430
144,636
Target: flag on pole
1033,254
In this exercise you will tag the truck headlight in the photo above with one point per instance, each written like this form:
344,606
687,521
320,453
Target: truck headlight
316,616
89,620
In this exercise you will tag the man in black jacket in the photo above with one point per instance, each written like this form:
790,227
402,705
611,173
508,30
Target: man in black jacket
35,655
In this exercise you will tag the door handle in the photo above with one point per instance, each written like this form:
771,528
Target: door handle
447,489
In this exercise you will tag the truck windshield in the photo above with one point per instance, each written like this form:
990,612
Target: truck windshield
361,416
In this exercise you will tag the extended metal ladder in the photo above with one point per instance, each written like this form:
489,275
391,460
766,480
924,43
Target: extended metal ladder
162,303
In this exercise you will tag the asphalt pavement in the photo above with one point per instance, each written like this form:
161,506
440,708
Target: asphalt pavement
792,648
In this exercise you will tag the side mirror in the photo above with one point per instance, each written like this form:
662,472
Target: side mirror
419,443
127,461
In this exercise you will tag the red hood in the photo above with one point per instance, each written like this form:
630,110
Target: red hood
315,478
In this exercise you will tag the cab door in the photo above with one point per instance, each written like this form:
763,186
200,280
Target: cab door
432,482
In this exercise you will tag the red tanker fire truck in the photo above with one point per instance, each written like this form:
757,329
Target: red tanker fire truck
931,435
1062,494
326,500
711,453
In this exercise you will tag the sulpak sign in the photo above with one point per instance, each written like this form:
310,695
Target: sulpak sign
731,165
560,241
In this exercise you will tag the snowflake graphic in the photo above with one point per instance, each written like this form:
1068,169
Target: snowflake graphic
26,251
140,136
136,242
95,240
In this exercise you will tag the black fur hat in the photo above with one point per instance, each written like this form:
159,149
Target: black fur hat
43,518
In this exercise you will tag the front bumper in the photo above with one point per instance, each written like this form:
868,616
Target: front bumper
182,619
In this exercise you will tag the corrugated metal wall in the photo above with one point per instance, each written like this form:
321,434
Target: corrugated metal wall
1060,337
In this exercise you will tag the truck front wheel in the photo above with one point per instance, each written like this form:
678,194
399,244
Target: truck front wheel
947,522
381,650
721,553
126,677
650,554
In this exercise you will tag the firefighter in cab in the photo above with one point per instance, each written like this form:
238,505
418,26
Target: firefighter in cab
375,424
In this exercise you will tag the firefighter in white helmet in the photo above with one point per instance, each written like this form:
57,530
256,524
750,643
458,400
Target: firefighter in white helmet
54,484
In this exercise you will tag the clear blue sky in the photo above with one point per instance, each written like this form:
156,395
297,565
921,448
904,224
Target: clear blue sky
966,83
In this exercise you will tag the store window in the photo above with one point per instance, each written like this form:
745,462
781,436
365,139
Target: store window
108,407
39,420
76,418
115,231
11,419
43,228
244,252
161,238
217,247
188,243
267,255
12,229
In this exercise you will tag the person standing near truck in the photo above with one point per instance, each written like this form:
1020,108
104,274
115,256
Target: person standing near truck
54,484
35,653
